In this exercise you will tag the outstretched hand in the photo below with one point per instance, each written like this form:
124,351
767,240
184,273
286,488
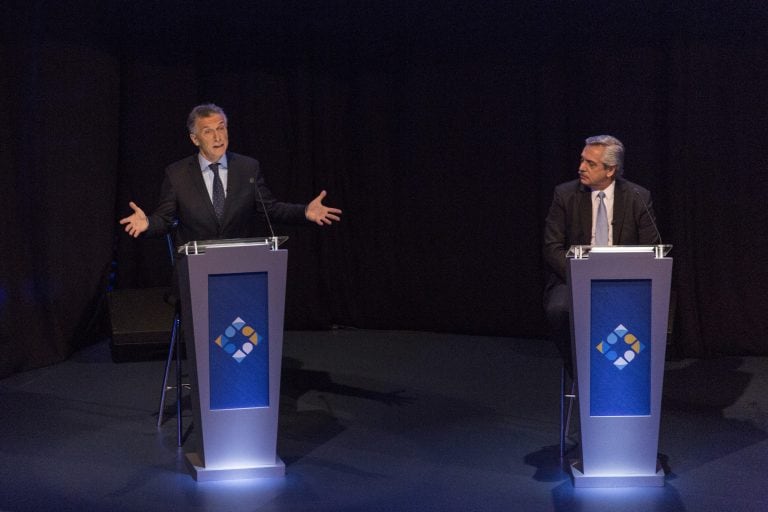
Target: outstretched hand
320,214
136,223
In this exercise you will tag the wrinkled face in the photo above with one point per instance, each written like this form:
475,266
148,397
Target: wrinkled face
210,136
593,173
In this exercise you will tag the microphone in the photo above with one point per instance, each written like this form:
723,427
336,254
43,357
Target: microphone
266,214
650,215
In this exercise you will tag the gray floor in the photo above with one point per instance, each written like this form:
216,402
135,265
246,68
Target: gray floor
374,420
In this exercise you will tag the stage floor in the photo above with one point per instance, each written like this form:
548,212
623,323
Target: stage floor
377,421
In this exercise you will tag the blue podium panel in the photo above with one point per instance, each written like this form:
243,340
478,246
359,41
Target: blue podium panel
238,328
620,359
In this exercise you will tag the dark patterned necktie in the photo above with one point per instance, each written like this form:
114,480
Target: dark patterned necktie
218,192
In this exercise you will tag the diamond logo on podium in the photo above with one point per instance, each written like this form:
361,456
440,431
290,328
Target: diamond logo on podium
238,339
620,347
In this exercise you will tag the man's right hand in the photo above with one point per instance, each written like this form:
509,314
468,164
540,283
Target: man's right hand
136,223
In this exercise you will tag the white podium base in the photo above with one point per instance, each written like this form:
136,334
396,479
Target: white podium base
582,480
202,474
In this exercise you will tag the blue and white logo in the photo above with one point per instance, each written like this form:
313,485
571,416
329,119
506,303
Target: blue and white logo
238,339
620,346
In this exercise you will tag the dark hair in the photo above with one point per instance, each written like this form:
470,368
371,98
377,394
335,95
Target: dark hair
204,110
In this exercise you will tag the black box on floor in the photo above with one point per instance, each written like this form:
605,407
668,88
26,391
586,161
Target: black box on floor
140,323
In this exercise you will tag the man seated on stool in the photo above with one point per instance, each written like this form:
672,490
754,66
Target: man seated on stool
598,208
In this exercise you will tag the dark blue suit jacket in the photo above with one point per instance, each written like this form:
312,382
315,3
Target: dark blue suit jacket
183,197
569,222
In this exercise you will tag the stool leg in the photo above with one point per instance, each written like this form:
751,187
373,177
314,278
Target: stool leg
565,411
174,333
178,395
571,397
562,413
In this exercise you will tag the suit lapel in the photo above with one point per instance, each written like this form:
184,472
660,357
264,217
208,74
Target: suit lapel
199,185
585,215
233,183
620,202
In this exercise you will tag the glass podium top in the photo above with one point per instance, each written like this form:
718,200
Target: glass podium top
200,246
583,251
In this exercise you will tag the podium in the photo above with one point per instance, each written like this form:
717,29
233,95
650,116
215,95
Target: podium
619,315
233,302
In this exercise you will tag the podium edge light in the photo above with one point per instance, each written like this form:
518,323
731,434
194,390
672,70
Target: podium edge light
202,474
581,480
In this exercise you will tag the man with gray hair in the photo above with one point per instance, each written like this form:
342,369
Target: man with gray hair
598,208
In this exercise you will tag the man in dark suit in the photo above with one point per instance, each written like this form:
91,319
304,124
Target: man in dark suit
572,220
216,194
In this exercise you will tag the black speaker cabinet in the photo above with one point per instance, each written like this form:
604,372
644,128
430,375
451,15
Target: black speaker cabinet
141,321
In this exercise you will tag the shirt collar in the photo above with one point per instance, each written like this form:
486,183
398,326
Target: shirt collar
609,190
204,163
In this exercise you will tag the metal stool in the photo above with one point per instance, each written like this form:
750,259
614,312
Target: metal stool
174,350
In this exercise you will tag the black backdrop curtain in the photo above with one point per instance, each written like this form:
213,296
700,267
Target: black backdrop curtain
439,128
